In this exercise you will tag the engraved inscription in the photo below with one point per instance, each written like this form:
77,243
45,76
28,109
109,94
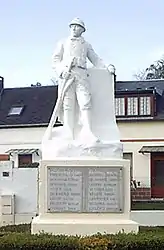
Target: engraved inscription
103,190
64,190
90,190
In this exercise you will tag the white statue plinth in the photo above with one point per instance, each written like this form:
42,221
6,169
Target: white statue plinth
84,197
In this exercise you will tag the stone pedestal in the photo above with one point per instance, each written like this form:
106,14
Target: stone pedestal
84,196
84,186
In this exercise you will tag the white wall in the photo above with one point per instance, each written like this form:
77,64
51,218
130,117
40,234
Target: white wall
135,135
11,138
21,181
141,129
148,218
21,138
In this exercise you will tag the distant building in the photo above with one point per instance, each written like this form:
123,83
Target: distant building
140,117
24,116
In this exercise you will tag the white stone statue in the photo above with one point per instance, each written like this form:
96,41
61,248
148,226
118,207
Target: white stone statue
75,105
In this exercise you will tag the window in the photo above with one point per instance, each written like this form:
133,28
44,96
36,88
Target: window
15,110
133,106
145,105
120,106
24,160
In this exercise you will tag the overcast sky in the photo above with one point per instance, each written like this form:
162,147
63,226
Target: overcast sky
126,33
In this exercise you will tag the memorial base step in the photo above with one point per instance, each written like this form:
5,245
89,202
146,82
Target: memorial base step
82,226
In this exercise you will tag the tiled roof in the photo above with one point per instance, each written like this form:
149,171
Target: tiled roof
140,85
37,102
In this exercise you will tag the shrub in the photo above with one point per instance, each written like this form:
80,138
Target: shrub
18,237
97,242
17,241
21,228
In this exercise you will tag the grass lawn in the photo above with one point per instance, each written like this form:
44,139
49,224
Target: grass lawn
148,205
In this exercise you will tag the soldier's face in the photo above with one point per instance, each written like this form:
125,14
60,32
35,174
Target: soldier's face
76,30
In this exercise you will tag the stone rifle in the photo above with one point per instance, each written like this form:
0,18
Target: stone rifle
65,85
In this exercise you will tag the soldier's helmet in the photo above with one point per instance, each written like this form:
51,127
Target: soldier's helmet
79,22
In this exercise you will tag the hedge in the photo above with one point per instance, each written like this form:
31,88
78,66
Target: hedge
21,239
21,228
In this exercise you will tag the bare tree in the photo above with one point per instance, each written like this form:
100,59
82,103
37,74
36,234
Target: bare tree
154,71
141,75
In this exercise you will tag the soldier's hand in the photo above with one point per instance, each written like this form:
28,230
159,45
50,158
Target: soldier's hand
65,74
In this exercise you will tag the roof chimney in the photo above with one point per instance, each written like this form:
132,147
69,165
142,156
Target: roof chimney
38,84
1,84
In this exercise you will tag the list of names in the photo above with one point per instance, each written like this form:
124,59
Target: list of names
64,190
103,191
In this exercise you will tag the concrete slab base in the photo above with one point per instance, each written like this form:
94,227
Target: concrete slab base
82,226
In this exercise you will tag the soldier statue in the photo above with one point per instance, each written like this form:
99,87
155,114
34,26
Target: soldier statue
70,65
85,103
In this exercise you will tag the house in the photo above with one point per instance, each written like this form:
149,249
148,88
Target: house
140,116
24,116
